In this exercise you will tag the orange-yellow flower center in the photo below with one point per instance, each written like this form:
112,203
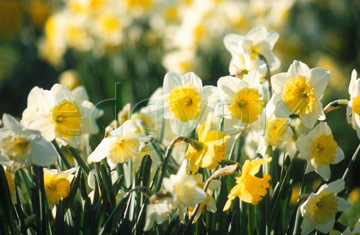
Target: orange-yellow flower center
299,96
275,130
324,207
56,186
124,149
356,105
323,149
67,119
184,103
247,105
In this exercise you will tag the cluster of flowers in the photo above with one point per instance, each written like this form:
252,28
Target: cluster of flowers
107,25
199,123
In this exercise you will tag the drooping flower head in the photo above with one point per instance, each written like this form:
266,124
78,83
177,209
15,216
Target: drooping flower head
320,150
185,100
60,114
57,184
299,92
210,147
123,144
184,189
319,210
21,147
353,109
249,188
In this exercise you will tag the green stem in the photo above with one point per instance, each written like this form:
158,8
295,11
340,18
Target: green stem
79,160
167,156
335,105
351,163
61,153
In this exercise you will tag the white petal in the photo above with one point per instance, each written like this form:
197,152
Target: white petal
127,127
11,123
281,110
307,226
192,80
101,151
339,156
343,204
278,81
272,60
327,227
303,144
272,38
256,34
80,93
319,79
171,81
60,92
232,43
309,168
335,186
42,152
210,95
45,126
299,68
182,128
228,86
310,119
352,84
324,172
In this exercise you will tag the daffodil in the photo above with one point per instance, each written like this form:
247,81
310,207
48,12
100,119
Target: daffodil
320,150
184,189
123,144
11,183
242,101
57,184
249,188
61,114
210,147
299,92
158,212
353,109
319,210
256,44
209,203
185,100
21,147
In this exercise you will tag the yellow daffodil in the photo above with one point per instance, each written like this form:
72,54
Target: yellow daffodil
249,188
319,210
123,144
299,92
242,101
185,100
210,147
353,109
21,147
320,150
61,114
57,184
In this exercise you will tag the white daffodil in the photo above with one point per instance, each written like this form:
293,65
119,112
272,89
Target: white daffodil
61,114
185,100
184,189
353,109
158,212
299,92
319,210
257,42
21,147
123,144
242,102
320,150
